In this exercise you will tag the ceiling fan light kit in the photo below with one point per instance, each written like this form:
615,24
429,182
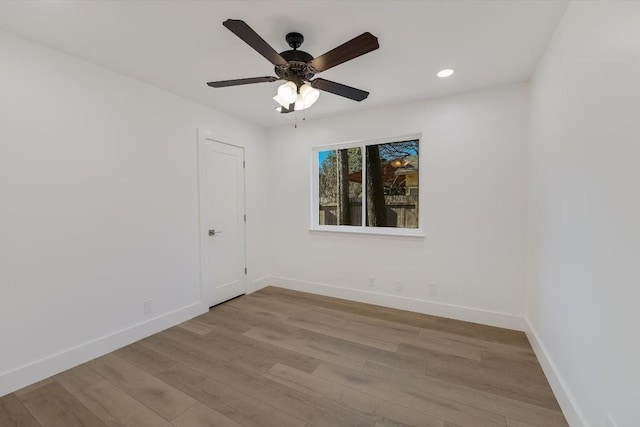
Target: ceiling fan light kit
302,98
298,68
309,95
288,92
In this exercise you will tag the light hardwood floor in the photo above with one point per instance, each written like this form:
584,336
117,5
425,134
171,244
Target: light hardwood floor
283,358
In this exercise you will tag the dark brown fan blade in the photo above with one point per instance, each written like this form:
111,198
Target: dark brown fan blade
340,89
364,43
250,37
237,82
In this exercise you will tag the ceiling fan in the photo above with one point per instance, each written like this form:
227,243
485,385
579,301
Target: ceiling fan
298,67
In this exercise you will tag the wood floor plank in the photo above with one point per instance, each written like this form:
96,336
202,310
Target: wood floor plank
198,353
512,363
53,406
283,340
310,324
78,378
116,408
227,400
445,345
488,333
217,318
32,387
508,407
462,345
14,414
381,410
355,350
253,307
355,322
200,415
195,326
369,310
157,395
275,354
481,378
435,405
507,339
335,350
247,381
250,317
437,359
6,420
317,413
480,344
221,349
274,304
144,358
514,423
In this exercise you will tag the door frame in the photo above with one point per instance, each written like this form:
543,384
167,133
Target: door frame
203,136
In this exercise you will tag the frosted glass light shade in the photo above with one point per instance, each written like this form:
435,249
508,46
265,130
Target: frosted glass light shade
280,101
299,104
309,95
288,92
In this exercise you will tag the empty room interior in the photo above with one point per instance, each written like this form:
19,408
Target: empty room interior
320,213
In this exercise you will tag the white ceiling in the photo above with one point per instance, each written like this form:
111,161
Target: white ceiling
180,45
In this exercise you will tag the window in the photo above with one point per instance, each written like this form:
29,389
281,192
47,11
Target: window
368,187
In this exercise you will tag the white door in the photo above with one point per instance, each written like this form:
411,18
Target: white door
222,220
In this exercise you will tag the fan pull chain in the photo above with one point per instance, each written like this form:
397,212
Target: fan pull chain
304,118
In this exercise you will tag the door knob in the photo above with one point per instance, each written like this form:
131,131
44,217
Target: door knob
214,232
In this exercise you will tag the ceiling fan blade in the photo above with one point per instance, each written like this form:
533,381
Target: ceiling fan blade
364,43
250,37
340,89
237,82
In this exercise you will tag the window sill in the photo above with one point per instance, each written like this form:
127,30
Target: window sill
371,231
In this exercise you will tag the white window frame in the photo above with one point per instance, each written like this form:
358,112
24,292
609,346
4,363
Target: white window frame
364,229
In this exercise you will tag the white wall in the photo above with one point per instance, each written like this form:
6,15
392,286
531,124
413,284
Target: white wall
99,208
584,282
474,160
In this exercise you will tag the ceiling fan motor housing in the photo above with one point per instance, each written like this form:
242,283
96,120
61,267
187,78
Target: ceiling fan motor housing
297,69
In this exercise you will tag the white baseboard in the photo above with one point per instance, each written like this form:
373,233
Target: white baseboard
468,314
258,284
572,412
30,373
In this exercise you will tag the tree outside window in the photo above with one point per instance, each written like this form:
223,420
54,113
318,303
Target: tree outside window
387,178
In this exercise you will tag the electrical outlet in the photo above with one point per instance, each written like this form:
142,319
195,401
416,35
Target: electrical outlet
399,285
372,281
433,290
147,306
610,422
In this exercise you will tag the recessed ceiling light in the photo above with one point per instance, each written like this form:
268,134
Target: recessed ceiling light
445,73
278,109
